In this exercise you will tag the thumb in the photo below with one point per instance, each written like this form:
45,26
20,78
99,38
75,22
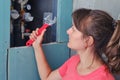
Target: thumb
43,32
40,37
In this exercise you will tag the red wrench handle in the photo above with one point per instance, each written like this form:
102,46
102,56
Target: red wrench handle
30,41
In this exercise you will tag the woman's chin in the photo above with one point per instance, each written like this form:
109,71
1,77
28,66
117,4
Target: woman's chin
68,44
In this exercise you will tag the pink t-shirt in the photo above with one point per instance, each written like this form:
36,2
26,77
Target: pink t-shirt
68,71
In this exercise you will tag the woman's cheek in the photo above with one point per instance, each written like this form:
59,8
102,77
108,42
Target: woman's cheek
75,46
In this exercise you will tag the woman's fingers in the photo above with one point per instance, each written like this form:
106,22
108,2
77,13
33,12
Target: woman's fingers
34,34
37,30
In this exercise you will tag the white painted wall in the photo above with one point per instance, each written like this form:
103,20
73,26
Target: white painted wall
111,6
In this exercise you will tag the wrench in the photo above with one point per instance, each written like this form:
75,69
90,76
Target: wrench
47,22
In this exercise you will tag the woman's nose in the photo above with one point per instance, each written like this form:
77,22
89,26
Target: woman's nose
68,31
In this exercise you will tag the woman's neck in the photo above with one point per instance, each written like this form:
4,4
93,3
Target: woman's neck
88,59
88,63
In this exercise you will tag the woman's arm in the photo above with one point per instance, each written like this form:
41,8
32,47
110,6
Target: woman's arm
44,69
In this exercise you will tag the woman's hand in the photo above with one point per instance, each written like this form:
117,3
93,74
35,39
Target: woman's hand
37,39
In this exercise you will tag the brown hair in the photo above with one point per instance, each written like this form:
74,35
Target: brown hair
105,31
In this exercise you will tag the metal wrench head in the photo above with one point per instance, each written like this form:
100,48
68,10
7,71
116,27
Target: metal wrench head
49,21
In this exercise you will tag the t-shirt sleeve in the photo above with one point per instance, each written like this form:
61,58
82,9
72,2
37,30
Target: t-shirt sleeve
64,67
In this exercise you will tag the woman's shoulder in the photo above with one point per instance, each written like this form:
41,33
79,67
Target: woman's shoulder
102,73
74,57
105,74
108,76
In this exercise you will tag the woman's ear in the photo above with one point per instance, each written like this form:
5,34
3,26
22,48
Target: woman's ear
90,41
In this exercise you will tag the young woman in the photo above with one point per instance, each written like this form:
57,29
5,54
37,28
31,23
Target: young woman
95,36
